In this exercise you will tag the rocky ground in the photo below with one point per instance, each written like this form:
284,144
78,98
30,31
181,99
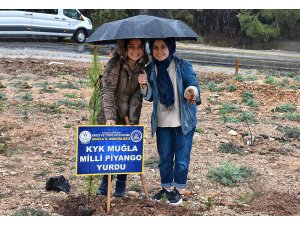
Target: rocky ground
43,102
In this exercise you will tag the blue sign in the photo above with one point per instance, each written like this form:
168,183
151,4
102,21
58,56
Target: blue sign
110,150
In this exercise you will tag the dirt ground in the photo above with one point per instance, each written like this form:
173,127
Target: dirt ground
42,103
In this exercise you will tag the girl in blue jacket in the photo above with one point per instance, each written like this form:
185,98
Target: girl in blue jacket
170,82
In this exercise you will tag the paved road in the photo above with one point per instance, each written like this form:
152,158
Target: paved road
199,54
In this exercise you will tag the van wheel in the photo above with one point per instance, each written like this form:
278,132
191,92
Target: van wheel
80,36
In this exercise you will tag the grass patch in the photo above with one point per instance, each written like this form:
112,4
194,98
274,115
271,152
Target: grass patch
152,162
213,87
272,81
70,95
6,150
27,97
42,174
248,99
277,73
247,117
2,96
230,119
214,101
231,88
68,85
297,78
291,132
239,78
45,87
60,163
2,106
231,148
228,108
199,130
2,85
286,108
49,108
67,126
73,104
229,174
135,187
251,77
294,87
292,116
28,211
47,90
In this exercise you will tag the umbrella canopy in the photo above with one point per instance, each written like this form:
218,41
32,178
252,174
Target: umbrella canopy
142,26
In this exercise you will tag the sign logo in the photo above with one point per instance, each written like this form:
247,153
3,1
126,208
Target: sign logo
85,137
136,136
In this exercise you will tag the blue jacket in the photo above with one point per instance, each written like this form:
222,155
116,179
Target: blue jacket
186,77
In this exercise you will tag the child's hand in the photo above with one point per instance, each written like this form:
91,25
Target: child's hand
110,122
142,78
190,96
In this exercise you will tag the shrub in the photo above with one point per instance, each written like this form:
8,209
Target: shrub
228,108
251,77
68,85
248,99
229,175
2,96
70,95
247,95
292,116
135,187
28,211
247,117
239,78
27,97
199,130
297,78
292,132
213,87
286,108
231,88
230,119
152,162
271,80
73,104
231,148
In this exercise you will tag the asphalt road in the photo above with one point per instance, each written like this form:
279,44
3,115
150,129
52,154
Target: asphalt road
198,54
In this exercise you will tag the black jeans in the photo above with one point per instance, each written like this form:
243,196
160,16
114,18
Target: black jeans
120,177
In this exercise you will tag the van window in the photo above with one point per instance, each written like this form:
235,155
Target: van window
72,13
46,11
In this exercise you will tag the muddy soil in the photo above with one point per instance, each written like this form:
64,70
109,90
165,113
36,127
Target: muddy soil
42,103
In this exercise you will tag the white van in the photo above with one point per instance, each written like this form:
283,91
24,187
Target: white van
59,23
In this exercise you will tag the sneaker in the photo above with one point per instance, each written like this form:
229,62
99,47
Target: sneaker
174,197
161,195
120,189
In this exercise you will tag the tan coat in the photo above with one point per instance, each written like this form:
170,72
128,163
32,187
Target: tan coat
120,92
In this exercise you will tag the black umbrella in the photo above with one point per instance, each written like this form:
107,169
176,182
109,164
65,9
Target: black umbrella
142,26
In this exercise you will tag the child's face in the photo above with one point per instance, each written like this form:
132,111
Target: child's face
135,49
160,50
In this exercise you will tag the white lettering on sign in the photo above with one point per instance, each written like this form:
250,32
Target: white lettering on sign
123,157
94,149
123,148
90,158
111,167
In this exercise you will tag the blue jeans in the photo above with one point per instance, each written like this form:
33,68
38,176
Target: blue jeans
174,149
